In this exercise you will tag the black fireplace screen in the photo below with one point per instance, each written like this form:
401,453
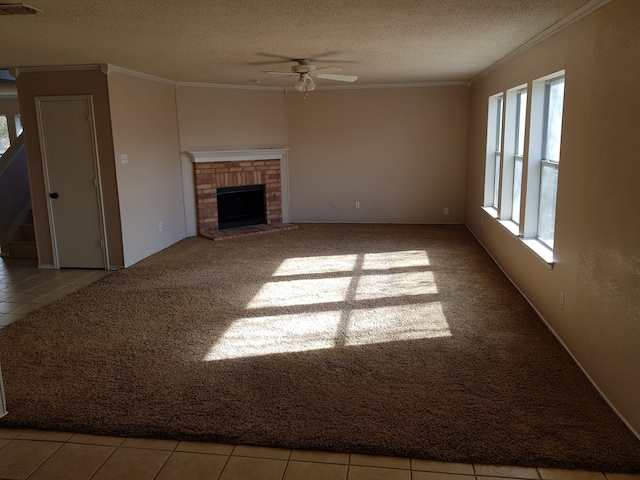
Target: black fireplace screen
241,206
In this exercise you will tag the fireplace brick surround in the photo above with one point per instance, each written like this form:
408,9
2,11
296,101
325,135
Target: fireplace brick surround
209,176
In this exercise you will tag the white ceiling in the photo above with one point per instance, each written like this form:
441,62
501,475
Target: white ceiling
231,41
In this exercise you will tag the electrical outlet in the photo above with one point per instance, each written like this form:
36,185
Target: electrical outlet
159,226
562,301
357,204
334,205
446,210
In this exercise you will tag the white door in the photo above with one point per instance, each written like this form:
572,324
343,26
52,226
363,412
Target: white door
73,185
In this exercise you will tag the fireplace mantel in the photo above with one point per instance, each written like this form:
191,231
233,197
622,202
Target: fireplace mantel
204,156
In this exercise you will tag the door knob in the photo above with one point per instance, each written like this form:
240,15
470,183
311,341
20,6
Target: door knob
54,195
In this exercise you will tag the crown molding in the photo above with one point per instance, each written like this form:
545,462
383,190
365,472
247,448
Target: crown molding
108,68
15,71
228,86
336,87
391,85
579,14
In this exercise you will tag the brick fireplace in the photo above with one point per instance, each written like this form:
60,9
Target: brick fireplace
232,168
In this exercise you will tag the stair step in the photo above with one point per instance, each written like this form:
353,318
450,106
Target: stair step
26,232
23,249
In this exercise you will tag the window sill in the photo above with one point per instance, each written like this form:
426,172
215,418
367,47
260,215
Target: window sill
511,226
491,211
540,249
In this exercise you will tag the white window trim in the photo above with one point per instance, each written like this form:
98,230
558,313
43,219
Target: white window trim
541,249
493,154
527,229
511,226
533,168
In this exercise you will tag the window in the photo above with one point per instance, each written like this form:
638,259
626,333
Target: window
518,158
552,130
5,140
18,119
524,132
498,154
494,153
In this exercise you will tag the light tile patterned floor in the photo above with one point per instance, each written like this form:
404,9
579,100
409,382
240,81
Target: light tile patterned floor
24,288
45,455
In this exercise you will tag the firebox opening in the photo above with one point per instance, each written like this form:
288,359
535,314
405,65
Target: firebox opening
241,206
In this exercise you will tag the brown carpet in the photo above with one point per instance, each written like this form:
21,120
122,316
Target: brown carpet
395,340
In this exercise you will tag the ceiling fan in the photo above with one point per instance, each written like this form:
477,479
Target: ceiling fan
306,72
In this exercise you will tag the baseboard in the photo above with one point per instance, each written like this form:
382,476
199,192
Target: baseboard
3,403
564,345
329,222
46,266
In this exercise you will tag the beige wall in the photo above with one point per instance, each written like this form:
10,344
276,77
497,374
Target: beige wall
400,152
226,119
145,128
70,82
597,242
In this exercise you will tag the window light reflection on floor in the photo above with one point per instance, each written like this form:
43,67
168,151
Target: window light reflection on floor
371,287
387,260
369,298
250,337
301,292
316,265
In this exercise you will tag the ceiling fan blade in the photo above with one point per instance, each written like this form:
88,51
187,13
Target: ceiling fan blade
288,74
334,53
326,70
339,78
276,59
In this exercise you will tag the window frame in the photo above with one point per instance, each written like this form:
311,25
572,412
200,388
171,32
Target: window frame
547,164
520,133
493,163
526,148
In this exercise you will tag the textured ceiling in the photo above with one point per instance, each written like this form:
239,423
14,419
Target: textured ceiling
231,41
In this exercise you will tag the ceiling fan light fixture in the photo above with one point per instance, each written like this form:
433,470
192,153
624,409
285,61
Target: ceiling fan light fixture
311,85
300,85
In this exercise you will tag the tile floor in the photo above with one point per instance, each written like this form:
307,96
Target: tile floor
25,288
46,455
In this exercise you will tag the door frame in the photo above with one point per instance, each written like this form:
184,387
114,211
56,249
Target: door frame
103,227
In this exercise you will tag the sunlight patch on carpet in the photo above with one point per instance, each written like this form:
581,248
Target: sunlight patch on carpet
395,285
397,281
301,292
316,265
250,337
403,259
397,323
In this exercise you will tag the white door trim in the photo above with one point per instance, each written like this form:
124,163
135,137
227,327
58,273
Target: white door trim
103,228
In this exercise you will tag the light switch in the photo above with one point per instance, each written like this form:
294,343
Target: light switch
124,158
